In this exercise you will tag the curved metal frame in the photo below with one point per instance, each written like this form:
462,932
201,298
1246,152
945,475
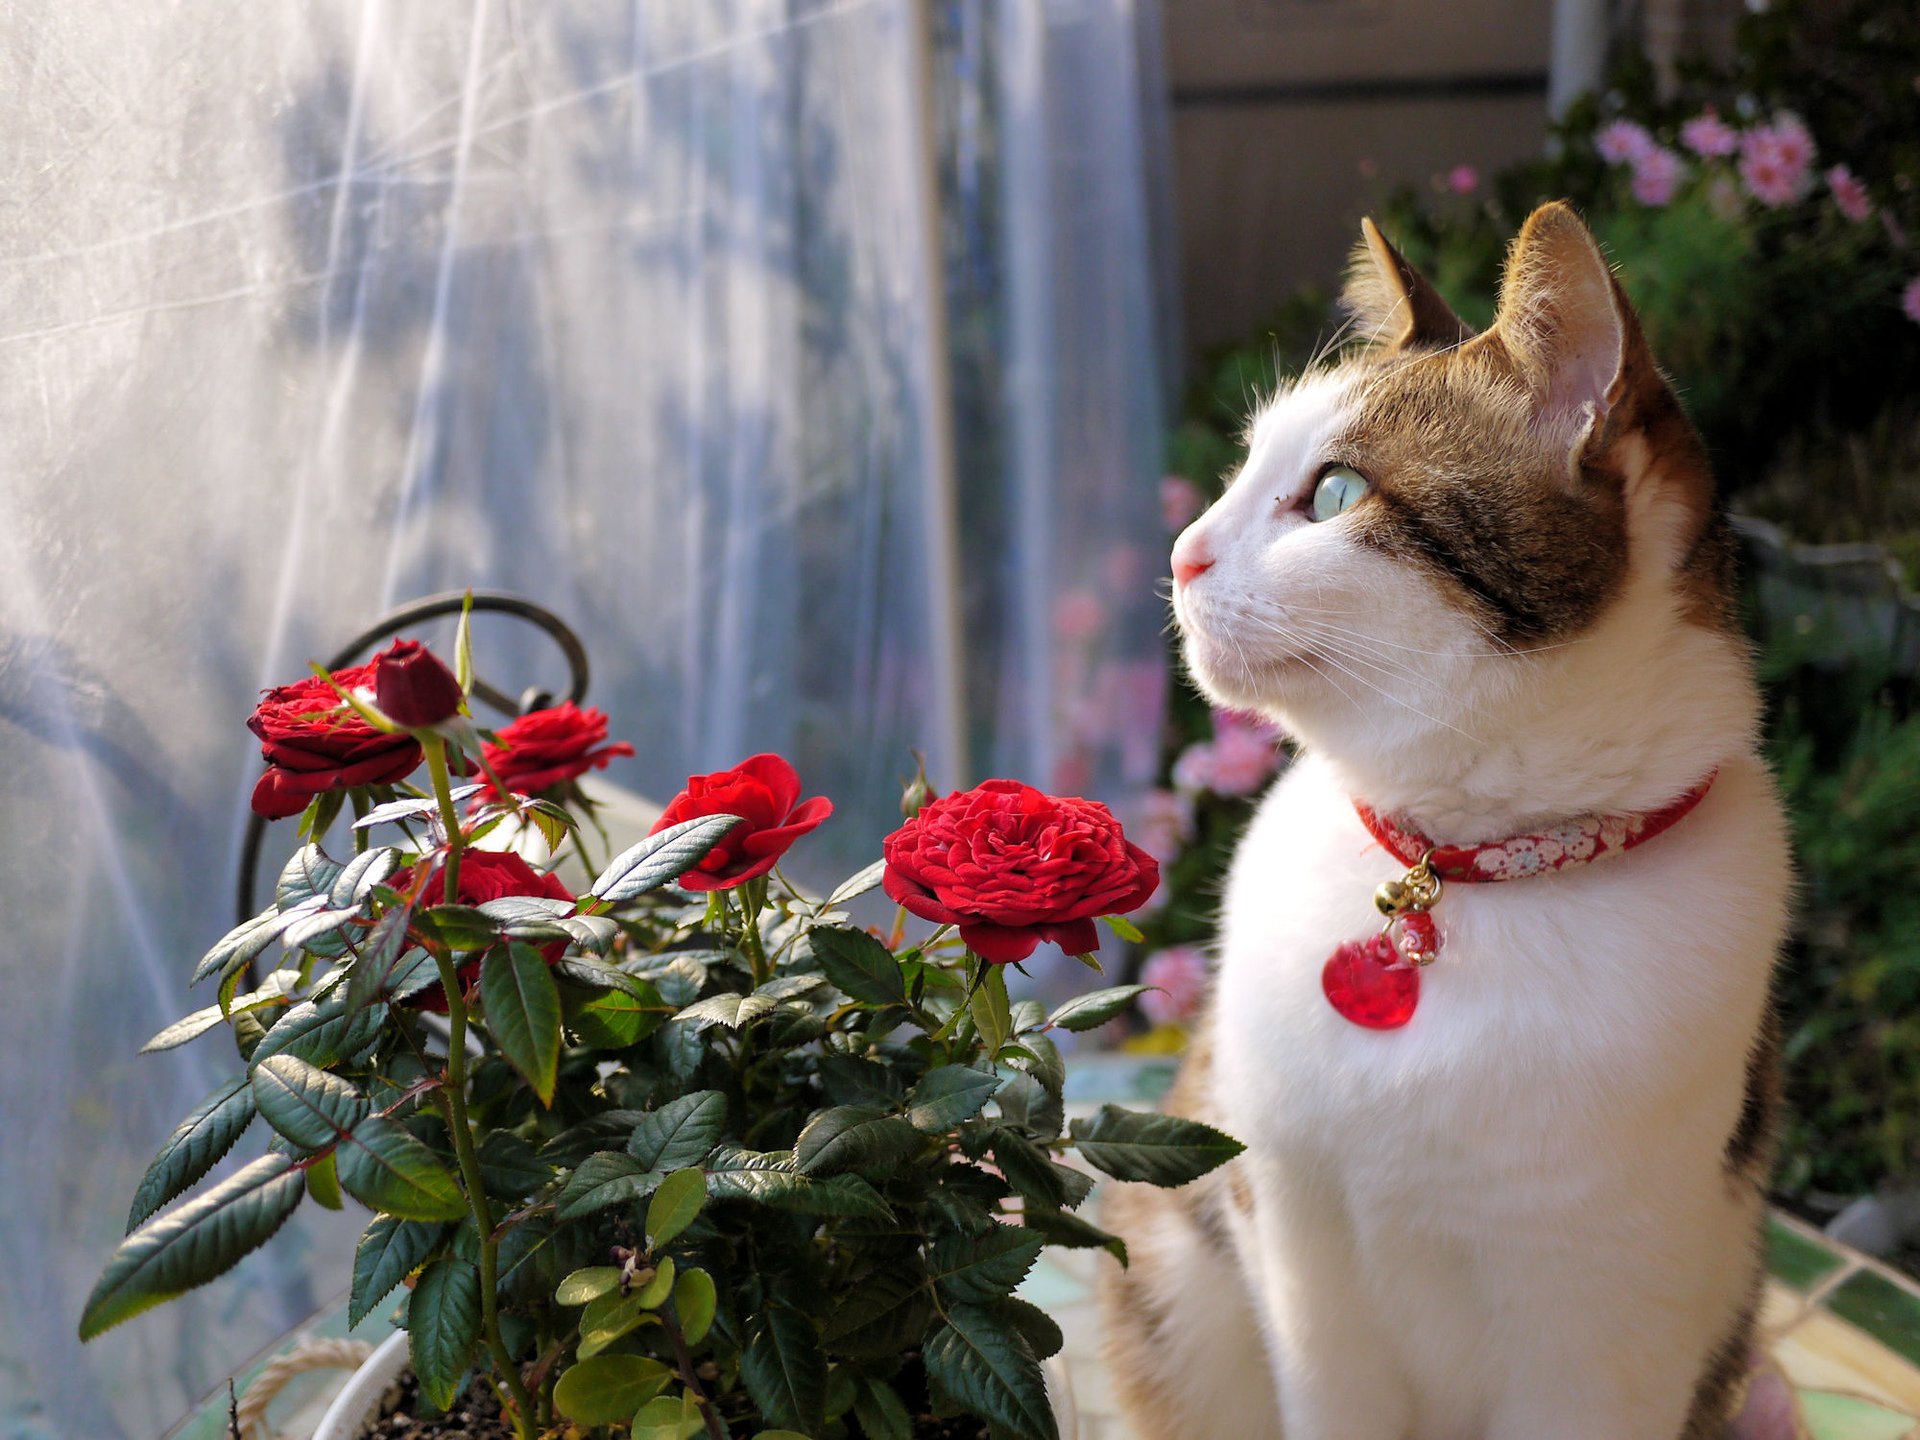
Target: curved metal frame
435,607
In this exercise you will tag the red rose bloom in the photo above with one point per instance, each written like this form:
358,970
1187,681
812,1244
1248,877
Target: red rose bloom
484,875
413,687
313,742
545,747
763,791
1012,867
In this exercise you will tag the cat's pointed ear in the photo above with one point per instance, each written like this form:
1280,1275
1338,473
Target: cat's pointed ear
1392,304
1563,321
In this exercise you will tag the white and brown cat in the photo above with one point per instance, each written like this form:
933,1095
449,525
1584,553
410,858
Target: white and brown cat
1484,582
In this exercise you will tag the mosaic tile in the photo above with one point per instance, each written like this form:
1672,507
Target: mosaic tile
1796,1257
1824,1352
1881,1308
1832,1416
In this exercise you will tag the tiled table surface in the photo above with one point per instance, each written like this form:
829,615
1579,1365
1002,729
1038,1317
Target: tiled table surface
1842,1333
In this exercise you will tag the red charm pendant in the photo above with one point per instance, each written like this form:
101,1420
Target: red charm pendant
1417,937
1369,983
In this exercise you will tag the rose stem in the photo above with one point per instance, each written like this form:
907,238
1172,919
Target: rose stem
753,899
686,1374
454,1098
358,797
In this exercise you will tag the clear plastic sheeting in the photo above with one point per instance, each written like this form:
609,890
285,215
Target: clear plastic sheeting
644,310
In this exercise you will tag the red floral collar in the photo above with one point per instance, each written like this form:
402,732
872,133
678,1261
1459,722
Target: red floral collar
1376,982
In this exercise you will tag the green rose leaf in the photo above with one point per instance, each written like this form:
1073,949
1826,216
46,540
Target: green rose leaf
245,941
735,1012
594,974
674,1206
583,1287
1036,1327
885,1314
194,1148
386,1169
608,1389
668,1417
859,966
1039,1057
785,1369
374,964
456,927
509,1166
694,1300
853,1137
307,875
304,1103
1096,1007
881,1412
857,885
389,1250
608,1318
1063,1228
443,1326
192,1244
1027,1103
661,858
608,1178
680,1133
323,1034
986,1365
768,1177
986,1267
948,1095
523,1013
184,1030
1159,1149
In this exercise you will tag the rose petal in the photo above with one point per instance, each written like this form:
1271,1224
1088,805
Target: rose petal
998,945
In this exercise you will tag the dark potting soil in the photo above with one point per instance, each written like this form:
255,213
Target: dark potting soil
476,1415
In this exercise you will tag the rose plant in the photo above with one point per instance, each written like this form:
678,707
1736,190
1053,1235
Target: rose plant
691,1153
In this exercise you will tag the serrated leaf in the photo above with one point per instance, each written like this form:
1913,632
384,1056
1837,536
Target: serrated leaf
1036,1327
1158,1149
386,1169
679,977
363,872
323,1183
1025,1102
591,932
983,1268
849,1080
694,1299
1124,928
413,809
608,1389
307,875
985,1364
576,1142
242,943
859,966
1063,1228
382,946
948,1095
728,1009
768,1178
188,1028
1029,1169
785,1370
390,1249
1039,1057
884,1315
192,1244
674,1205
304,1103
523,1013
881,1412
662,857
1096,1007
857,885
322,922
443,1326
612,1019
608,1178
456,927
509,1167
583,1287
194,1148
853,1137
680,1133
598,975
519,909
668,1417
606,1319
322,1034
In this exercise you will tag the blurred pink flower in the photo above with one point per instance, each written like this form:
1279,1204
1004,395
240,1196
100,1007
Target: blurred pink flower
1849,194
1910,300
1180,503
1161,824
1622,142
1463,179
1242,755
1656,175
1193,771
1179,974
1079,615
1775,161
1708,136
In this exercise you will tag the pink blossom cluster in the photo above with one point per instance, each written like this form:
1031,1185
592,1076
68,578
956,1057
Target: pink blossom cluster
1849,194
1179,975
1242,755
1657,171
1776,161
1708,136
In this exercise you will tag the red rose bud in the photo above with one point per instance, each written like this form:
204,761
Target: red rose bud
918,794
1011,867
313,742
411,686
543,748
764,791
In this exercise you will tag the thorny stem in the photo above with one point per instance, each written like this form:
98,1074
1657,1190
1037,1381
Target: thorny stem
680,1350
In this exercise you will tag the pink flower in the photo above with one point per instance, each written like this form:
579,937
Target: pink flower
1180,503
1775,161
1463,179
1242,755
1656,175
1193,771
1179,975
1079,615
1708,136
1163,819
1849,194
1622,142
1910,300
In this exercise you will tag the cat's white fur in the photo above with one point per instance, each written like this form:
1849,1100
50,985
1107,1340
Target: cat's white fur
1511,1219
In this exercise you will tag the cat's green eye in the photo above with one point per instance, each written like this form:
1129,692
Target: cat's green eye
1339,490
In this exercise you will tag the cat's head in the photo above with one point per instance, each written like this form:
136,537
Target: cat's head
1443,536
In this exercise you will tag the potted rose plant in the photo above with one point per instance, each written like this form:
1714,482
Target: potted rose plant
687,1154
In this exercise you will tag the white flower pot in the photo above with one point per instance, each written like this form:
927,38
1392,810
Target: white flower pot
358,1405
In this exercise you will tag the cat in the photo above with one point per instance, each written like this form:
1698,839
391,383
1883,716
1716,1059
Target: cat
1484,582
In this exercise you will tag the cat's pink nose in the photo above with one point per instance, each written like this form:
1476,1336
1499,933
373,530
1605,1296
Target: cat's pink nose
1192,556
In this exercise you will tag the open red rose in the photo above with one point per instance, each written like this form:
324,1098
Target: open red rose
1011,866
764,791
545,747
484,875
313,742
413,687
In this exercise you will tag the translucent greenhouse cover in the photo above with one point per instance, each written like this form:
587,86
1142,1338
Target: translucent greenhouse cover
647,310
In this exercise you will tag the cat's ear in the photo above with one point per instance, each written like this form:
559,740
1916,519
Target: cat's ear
1564,322
1392,305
